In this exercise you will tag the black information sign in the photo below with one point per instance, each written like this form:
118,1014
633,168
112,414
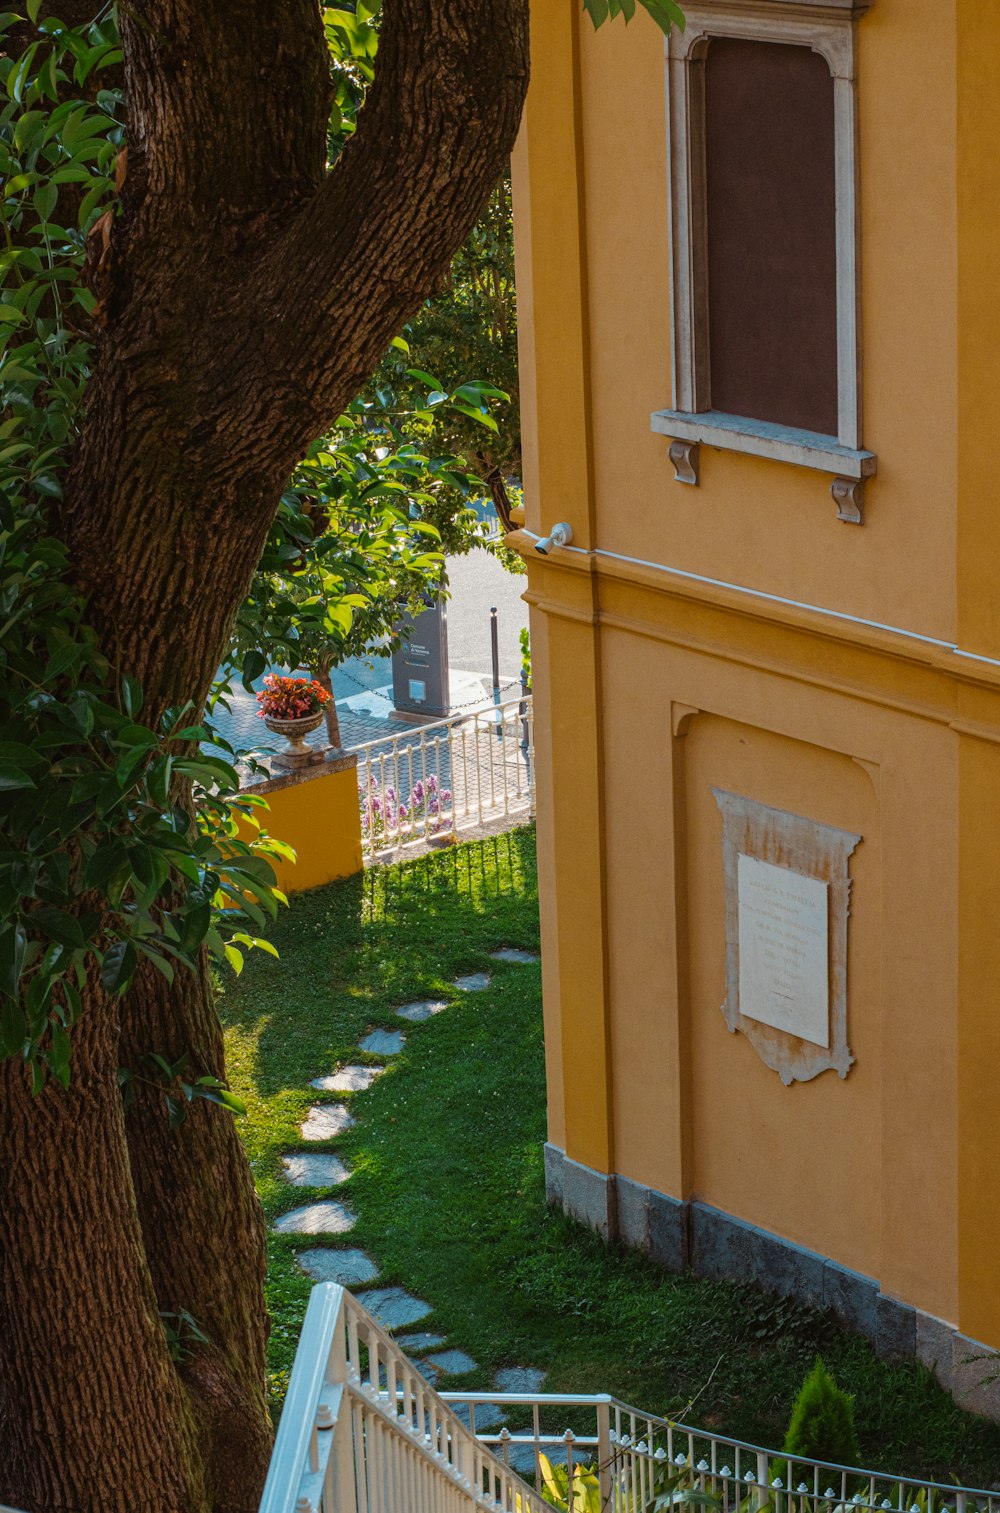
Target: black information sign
420,684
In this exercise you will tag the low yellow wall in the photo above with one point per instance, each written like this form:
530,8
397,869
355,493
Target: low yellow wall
316,812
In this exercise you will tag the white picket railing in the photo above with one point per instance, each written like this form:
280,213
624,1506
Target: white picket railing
472,770
362,1431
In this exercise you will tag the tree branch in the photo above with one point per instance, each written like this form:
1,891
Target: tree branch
433,138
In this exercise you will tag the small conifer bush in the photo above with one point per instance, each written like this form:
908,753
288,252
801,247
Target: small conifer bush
822,1422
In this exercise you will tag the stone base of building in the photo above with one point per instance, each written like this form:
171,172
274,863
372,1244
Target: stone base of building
688,1235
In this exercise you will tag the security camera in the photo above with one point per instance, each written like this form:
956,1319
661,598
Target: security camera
561,535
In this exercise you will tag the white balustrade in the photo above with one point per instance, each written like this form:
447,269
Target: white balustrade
472,770
362,1431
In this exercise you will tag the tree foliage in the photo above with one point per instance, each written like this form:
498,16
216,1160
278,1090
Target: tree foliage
666,13
90,806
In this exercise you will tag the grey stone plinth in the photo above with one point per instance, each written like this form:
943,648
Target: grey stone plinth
723,1246
669,1231
452,1362
972,1367
349,1079
394,1307
383,1042
351,1268
416,1013
589,1197
554,1159
519,1379
317,1219
314,1169
512,954
475,982
895,1328
851,1298
325,1121
416,1344
632,1199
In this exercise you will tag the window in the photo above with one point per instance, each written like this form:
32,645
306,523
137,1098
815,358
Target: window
762,121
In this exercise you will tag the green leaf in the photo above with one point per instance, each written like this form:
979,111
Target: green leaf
60,926
118,968
13,777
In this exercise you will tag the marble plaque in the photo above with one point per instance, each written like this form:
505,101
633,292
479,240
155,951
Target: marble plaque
783,922
787,905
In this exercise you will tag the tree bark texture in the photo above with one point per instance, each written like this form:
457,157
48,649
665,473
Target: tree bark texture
250,294
330,715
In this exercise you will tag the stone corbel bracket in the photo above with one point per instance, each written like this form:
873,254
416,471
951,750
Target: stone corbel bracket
686,458
849,497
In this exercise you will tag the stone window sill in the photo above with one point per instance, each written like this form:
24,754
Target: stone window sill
760,438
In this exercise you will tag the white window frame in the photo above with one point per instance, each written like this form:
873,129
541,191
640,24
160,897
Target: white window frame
828,27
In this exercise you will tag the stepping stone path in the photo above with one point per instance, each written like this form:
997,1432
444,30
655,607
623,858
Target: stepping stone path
416,1013
326,1120
317,1219
519,1379
349,1079
313,1169
511,953
384,1042
351,1268
452,1362
416,1344
488,1416
394,1307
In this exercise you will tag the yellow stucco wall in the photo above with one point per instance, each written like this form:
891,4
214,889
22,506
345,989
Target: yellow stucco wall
651,687
316,813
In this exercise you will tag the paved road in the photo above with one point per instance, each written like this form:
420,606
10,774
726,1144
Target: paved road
478,581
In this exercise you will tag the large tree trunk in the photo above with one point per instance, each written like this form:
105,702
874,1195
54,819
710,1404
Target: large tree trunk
195,1181
249,296
92,1415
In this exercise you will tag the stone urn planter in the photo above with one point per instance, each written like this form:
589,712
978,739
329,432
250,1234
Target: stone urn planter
295,732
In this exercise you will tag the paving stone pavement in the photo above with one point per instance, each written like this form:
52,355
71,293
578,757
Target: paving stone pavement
348,1079
416,1013
511,953
351,1268
394,1307
314,1169
324,1121
475,982
327,1218
384,1042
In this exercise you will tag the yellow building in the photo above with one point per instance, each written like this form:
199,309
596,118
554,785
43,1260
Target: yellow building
758,282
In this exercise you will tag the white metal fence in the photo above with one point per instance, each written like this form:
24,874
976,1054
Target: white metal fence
363,1432
473,770
640,1460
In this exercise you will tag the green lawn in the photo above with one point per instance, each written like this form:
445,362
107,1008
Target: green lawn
447,1175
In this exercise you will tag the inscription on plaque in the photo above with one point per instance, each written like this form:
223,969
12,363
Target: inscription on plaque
784,949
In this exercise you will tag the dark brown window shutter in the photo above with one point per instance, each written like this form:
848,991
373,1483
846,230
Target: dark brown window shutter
772,260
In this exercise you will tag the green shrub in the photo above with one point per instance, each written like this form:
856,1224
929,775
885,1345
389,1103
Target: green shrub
822,1422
